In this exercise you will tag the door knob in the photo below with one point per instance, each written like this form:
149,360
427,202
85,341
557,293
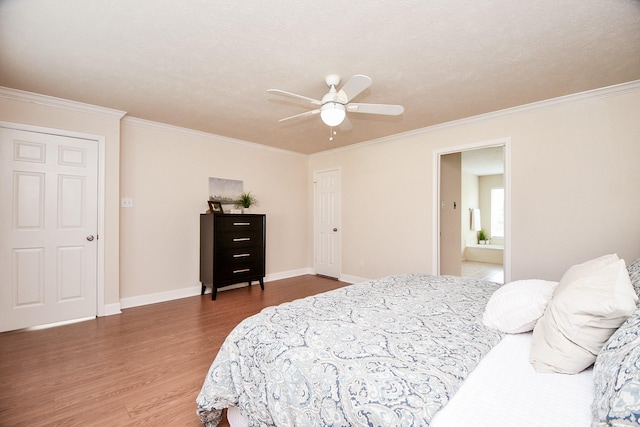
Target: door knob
335,229
90,238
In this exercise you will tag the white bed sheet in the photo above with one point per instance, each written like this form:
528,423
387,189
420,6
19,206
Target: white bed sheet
504,390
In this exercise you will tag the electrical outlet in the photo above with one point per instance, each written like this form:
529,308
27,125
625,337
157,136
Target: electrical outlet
361,263
126,202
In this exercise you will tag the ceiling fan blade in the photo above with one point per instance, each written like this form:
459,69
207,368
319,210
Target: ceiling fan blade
305,114
346,124
295,95
354,87
386,109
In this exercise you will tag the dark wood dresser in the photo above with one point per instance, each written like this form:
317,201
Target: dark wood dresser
232,250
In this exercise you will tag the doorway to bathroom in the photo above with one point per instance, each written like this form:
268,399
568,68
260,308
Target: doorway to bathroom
473,211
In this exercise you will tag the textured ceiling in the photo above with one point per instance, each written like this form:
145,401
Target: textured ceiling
207,64
484,161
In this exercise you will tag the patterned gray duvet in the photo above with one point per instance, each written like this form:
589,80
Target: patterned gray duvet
388,352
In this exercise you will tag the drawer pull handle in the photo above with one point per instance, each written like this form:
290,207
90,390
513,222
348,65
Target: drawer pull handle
244,270
241,223
242,239
241,255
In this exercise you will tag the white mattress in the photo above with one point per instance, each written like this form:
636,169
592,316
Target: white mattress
504,390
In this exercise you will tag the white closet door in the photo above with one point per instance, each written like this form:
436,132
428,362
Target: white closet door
48,226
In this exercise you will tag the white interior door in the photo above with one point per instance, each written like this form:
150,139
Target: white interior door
48,228
327,187
450,217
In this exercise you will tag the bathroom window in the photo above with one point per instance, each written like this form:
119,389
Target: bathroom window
497,212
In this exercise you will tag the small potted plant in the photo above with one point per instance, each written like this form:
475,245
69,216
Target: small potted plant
482,237
246,201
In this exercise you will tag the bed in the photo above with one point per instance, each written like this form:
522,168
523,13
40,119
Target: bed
412,349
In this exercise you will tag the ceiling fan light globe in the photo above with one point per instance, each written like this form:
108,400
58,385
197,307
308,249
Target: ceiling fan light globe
332,113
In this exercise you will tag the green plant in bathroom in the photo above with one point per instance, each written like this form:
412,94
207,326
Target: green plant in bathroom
482,235
246,200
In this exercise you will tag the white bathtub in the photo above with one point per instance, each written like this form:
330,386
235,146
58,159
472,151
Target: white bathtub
484,253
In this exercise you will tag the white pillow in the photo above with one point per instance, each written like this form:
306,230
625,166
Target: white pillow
586,268
592,300
516,307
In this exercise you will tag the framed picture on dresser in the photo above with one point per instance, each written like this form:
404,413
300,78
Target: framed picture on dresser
215,207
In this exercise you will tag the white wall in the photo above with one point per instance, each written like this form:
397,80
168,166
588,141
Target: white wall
386,206
166,170
575,168
575,185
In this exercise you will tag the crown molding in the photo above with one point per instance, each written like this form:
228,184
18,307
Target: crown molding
186,131
51,101
590,95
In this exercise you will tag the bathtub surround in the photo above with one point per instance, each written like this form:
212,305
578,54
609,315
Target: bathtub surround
491,253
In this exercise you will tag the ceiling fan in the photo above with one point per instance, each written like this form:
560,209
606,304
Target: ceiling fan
335,104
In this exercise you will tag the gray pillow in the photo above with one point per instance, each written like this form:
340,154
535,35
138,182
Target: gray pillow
616,377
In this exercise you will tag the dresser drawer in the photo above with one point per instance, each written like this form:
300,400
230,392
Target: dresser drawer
239,273
238,257
240,223
239,239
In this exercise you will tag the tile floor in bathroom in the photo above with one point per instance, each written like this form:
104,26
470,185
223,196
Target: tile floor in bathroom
483,270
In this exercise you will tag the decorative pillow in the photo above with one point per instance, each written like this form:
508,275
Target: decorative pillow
616,377
634,275
517,306
586,268
590,303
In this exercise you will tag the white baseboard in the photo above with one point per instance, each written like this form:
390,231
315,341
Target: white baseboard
288,274
191,291
111,309
351,279
160,297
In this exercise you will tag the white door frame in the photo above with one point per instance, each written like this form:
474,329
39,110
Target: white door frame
504,142
100,140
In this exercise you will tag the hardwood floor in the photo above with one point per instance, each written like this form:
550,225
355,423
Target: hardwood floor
142,367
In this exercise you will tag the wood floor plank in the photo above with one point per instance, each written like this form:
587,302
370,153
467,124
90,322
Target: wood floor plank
142,367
